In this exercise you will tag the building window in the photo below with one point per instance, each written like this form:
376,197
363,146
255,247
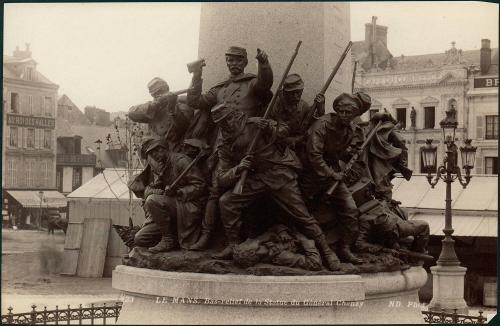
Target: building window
49,183
77,177
30,105
48,106
30,143
13,137
29,73
59,176
14,102
11,173
491,165
31,173
47,139
430,117
46,173
491,127
372,112
401,117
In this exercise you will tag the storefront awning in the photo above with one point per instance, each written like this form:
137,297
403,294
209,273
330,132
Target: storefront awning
464,225
31,198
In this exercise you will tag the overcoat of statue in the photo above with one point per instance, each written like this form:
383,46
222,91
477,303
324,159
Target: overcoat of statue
245,178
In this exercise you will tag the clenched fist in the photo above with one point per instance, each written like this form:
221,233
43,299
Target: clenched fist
261,56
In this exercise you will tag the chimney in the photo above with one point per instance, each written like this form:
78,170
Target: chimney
20,54
485,57
27,51
380,32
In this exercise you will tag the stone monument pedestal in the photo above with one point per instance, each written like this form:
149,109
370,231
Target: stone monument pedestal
161,297
447,292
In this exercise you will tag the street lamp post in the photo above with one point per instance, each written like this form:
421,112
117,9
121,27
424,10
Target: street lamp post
448,275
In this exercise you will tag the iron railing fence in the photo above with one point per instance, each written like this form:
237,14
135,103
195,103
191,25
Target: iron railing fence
442,317
97,314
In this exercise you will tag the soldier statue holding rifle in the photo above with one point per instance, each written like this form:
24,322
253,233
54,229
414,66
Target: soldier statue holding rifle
256,138
166,117
331,139
271,171
174,204
292,111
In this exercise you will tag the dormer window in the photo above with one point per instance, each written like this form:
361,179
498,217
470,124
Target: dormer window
29,73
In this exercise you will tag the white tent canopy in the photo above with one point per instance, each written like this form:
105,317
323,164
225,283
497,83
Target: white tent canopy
111,183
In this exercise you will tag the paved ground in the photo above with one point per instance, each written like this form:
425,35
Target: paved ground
31,261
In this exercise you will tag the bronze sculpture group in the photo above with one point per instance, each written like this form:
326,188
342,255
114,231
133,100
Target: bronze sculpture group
290,185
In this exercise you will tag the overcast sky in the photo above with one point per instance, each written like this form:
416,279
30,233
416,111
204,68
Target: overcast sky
105,54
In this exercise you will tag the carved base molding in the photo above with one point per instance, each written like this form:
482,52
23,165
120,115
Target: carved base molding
160,297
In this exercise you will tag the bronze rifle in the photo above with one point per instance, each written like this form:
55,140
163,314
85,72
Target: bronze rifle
238,188
314,107
354,158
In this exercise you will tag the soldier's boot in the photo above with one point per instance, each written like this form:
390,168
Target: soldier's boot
166,243
329,257
346,254
226,253
202,242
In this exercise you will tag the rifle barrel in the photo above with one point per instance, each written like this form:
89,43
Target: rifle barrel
238,188
336,68
186,170
182,91
354,76
349,164
314,107
414,254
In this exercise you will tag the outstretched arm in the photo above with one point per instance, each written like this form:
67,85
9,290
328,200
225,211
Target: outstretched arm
264,74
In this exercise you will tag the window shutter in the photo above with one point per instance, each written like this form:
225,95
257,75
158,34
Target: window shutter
40,138
36,138
20,103
51,140
25,137
479,127
7,130
20,137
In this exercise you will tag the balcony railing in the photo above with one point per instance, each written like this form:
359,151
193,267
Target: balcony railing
76,159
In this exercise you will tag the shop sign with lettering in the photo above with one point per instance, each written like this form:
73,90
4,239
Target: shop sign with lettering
29,121
485,82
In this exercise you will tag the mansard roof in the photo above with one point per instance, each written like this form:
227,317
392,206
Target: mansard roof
10,72
360,50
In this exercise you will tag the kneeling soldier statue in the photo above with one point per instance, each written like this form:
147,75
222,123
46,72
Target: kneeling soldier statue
176,211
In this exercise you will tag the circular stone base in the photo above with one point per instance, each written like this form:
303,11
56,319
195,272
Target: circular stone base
160,297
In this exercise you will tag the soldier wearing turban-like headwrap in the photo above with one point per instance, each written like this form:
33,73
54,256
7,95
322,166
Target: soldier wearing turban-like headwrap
332,138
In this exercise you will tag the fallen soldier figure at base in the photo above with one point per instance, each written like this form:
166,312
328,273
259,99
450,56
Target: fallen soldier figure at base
280,246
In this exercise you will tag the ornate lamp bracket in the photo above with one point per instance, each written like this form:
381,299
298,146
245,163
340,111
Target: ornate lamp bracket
441,174
464,181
